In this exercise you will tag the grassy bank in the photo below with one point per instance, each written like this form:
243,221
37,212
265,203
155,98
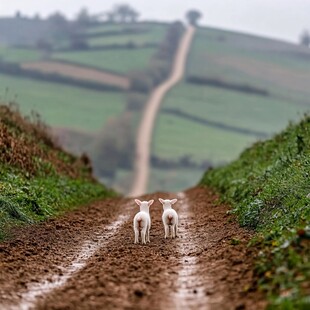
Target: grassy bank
37,179
268,187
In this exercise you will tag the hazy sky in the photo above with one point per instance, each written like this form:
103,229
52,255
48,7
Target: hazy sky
284,19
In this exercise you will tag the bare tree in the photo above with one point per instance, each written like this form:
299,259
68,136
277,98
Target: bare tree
193,16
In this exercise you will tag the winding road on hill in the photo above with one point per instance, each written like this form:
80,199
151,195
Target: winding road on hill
145,131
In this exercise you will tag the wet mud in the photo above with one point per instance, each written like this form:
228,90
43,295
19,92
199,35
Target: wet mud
87,260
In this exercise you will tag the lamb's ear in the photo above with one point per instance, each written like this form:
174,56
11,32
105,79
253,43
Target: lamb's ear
161,200
138,202
150,202
173,201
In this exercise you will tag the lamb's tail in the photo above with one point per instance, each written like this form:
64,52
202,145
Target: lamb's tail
139,220
170,217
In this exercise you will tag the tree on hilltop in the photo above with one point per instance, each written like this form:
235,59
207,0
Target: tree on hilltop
305,38
193,16
83,18
126,13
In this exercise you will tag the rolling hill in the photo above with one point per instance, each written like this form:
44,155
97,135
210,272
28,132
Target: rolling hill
238,89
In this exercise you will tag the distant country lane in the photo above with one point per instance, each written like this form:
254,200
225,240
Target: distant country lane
145,130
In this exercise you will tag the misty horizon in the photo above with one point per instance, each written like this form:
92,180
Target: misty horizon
279,20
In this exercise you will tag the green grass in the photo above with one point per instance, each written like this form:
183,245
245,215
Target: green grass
19,54
233,108
62,106
104,28
281,68
25,200
175,137
172,180
153,36
120,61
268,187
37,179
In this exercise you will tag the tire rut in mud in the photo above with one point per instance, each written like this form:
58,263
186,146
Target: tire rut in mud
199,270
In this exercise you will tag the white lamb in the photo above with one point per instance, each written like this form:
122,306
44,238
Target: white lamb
170,218
142,221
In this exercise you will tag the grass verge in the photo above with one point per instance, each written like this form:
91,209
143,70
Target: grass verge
37,179
268,188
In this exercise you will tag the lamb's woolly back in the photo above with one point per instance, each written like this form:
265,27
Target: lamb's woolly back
170,217
142,221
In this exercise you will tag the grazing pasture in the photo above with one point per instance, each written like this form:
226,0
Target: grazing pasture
228,64
60,105
119,60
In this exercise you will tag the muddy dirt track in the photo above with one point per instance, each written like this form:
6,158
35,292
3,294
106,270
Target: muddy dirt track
87,260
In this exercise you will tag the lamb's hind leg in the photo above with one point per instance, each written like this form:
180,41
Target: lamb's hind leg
173,231
148,234
166,231
143,233
177,229
136,235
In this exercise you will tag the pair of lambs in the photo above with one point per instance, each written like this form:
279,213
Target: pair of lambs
142,220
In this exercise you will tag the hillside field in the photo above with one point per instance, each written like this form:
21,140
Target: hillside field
216,119
60,105
119,61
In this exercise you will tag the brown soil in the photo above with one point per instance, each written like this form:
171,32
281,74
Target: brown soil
201,269
78,72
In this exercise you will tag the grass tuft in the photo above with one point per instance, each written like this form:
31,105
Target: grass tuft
13,210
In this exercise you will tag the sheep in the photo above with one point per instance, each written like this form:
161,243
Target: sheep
170,218
142,221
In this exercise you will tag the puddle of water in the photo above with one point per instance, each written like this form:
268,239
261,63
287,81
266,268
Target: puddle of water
87,250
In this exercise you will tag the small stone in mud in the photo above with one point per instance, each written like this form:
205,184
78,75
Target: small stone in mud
195,291
138,293
240,307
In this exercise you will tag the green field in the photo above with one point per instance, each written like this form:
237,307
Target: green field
279,68
234,108
152,36
62,106
175,137
11,54
173,180
106,27
119,60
